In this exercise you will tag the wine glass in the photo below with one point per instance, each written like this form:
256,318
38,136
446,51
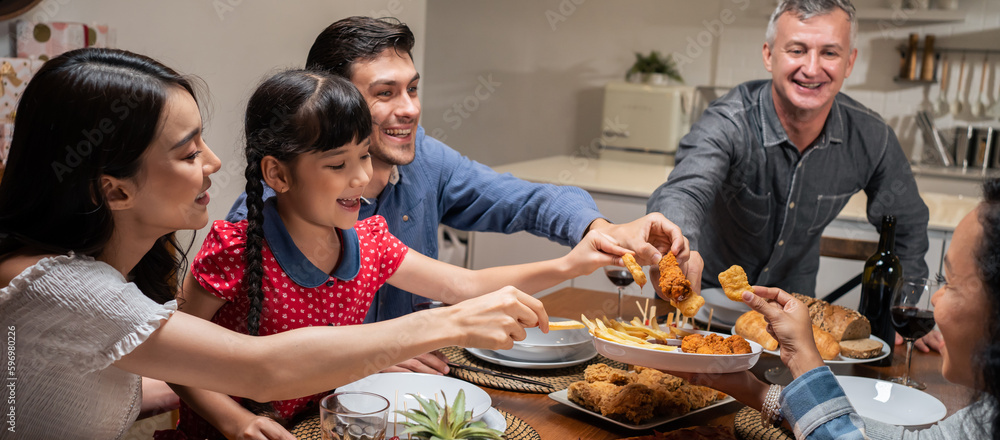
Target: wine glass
912,317
620,277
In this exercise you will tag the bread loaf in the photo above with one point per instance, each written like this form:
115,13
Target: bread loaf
860,348
752,326
842,323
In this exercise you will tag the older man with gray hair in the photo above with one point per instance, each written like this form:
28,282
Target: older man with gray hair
769,165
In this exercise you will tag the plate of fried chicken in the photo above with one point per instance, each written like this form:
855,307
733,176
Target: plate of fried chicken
639,399
708,353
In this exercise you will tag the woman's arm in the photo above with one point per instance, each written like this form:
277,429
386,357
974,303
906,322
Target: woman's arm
191,351
225,414
452,284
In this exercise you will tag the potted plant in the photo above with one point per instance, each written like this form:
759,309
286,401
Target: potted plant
653,69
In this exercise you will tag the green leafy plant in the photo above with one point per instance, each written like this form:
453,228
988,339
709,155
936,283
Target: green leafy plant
433,421
655,63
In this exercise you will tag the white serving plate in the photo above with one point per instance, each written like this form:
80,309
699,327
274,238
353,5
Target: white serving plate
677,360
397,387
841,359
584,353
562,397
891,403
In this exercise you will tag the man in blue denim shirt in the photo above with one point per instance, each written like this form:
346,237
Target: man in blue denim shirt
419,182
770,164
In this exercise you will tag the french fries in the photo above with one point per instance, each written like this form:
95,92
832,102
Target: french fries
637,274
633,334
568,324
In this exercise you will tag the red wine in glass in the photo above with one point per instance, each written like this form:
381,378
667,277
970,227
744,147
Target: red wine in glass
912,322
619,277
911,314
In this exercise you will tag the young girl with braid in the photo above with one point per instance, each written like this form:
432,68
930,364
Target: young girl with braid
303,259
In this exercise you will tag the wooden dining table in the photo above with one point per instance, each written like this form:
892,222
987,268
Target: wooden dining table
553,420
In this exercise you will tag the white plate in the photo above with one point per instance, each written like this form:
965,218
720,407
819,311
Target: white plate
677,360
585,354
396,388
562,397
897,404
840,359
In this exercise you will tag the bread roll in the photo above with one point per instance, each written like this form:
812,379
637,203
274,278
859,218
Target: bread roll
752,325
828,346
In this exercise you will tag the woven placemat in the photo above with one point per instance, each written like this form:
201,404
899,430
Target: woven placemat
558,378
517,429
748,427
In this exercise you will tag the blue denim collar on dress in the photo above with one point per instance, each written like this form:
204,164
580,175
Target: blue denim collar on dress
296,265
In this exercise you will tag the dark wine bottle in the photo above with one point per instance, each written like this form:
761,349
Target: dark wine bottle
879,280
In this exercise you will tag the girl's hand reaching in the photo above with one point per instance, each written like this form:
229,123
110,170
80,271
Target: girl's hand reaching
789,323
492,321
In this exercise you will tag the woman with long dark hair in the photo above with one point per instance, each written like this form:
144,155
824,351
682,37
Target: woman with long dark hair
106,163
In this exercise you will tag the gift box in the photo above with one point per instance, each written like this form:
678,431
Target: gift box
43,41
14,76
6,134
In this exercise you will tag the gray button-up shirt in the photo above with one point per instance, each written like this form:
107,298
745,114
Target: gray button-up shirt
743,194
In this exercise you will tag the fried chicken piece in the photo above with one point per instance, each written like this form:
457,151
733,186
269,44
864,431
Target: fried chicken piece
738,344
673,283
604,373
633,402
591,395
717,344
734,283
657,380
691,343
668,401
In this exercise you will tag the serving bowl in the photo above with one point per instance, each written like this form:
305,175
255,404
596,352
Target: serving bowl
555,346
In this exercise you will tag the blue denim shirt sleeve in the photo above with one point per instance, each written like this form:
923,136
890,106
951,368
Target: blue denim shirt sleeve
442,186
815,406
473,197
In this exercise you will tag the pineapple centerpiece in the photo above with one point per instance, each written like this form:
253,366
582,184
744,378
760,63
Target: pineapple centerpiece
433,421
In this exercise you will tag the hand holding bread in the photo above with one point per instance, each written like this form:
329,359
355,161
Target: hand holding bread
791,325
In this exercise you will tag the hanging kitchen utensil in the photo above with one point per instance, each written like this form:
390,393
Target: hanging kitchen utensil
941,105
977,104
926,124
956,103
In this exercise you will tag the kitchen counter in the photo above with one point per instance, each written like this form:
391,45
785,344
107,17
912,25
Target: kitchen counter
639,180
